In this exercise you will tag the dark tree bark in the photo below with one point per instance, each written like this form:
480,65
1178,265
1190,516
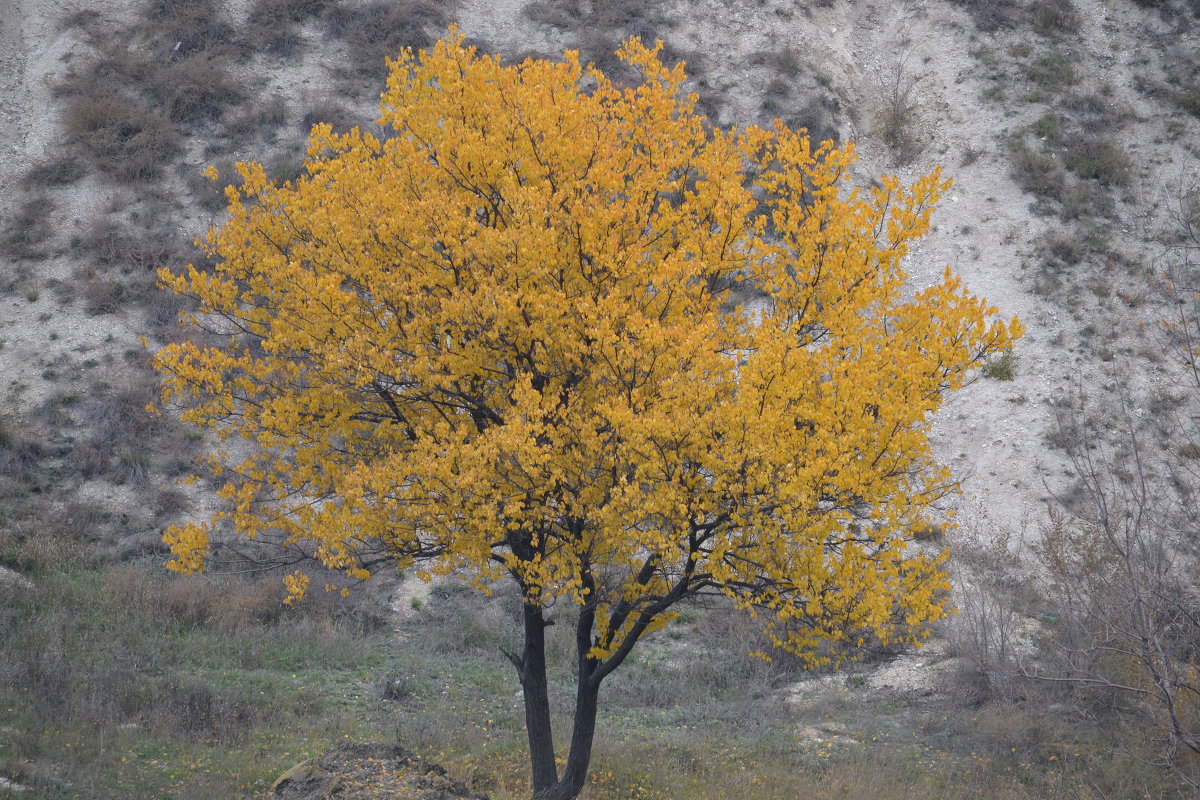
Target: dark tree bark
532,671
583,725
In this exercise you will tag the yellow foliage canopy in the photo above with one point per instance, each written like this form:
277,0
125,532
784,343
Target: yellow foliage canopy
556,328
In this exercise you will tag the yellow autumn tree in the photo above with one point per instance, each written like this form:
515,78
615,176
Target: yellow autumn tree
557,330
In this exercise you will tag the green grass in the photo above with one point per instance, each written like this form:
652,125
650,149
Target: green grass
127,681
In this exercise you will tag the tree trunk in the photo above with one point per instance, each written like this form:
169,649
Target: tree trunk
537,700
583,725
583,729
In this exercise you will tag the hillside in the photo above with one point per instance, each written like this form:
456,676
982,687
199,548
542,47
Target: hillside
1071,129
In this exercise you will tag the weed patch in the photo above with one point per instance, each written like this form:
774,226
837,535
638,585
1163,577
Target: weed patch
1055,17
1052,72
1094,158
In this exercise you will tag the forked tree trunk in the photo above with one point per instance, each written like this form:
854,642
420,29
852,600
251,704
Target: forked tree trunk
546,783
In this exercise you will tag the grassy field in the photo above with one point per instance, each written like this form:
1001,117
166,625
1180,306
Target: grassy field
122,680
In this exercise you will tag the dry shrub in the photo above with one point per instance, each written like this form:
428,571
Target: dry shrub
102,296
112,246
190,26
1052,72
188,601
600,28
118,414
170,503
898,115
1094,158
273,25
163,310
380,29
121,138
194,89
816,117
85,19
210,194
60,171
27,231
123,106
133,466
326,107
1036,172
262,118
1055,17
20,455
549,13
993,15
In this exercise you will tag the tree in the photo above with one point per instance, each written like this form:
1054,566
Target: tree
556,330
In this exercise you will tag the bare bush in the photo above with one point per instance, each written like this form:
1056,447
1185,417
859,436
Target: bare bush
27,231
898,115
993,15
274,25
1120,575
379,30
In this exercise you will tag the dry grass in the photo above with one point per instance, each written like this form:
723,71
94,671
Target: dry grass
990,16
378,30
27,233
61,171
273,26
185,27
120,138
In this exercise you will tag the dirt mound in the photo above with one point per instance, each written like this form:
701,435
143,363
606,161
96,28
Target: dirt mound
374,771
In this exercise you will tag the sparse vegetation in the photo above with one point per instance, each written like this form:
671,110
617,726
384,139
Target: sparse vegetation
1001,368
1055,17
898,118
379,29
26,234
1094,158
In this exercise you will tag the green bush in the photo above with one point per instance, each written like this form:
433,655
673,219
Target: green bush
1001,368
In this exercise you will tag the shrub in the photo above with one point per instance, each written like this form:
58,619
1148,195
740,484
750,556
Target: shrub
196,88
102,296
59,171
326,107
1052,71
273,25
992,15
1055,17
379,29
122,138
898,114
27,230
138,248
1098,159
816,117
190,26
1002,367
1049,127
1036,172
1062,249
